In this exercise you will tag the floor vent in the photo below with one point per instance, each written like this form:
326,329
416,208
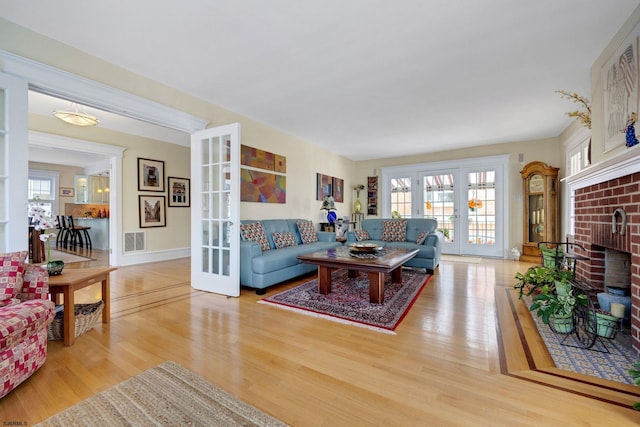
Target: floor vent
135,241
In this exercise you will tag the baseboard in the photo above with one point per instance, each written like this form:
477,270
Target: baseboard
155,256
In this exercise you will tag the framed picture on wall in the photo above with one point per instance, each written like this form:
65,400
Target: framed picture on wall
324,185
152,211
338,190
66,192
150,175
179,192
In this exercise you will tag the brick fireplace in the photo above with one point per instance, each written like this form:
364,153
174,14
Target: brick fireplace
607,224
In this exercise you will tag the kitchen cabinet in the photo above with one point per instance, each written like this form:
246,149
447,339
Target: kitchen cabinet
91,189
99,189
81,186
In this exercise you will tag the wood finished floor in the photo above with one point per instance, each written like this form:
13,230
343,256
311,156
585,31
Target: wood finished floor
464,355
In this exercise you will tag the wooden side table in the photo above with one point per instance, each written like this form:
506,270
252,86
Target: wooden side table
70,281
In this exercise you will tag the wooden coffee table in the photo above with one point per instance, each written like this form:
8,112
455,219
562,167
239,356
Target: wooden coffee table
386,261
70,281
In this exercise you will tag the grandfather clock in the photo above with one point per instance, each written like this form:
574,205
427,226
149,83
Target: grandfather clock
540,208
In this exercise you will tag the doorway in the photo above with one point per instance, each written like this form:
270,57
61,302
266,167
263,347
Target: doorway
467,197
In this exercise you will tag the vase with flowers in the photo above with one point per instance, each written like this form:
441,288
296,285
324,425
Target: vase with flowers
41,222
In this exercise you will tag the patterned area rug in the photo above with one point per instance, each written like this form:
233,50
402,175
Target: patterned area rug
348,301
608,358
166,395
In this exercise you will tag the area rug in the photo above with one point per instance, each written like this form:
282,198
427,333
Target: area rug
166,395
608,358
348,301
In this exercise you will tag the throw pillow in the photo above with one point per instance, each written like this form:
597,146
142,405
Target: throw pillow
307,232
255,233
283,239
394,230
362,235
11,270
422,237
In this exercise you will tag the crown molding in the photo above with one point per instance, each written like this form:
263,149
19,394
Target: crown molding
62,84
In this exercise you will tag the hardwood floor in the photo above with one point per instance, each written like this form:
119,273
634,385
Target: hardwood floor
457,358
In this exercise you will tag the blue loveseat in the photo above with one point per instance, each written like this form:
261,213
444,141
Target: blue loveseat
430,249
260,269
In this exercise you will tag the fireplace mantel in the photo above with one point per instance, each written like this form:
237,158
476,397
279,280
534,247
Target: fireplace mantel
624,163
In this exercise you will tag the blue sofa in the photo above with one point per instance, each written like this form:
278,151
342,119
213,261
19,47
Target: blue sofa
260,269
430,250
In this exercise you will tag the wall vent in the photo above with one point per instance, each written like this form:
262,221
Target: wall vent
135,241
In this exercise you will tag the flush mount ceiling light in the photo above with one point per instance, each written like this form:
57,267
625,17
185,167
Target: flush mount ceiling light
76,117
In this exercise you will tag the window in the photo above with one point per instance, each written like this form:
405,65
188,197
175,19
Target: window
578,158
401,196
43,189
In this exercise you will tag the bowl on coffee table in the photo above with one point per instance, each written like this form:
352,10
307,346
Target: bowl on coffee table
364,248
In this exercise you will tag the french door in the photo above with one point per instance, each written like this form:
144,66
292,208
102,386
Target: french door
215,210
464,201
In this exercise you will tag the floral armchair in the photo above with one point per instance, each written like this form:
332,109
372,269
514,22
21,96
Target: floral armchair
25,314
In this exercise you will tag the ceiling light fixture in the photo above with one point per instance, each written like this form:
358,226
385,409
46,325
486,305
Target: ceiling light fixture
77,118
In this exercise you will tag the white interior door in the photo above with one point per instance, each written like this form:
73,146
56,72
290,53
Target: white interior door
14,164
215,210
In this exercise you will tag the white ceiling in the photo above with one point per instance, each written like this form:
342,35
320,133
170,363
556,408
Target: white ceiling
365,78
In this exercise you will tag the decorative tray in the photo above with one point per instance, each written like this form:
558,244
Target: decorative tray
364,248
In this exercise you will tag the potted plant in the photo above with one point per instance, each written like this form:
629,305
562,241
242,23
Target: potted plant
606,324
553,299
531,281
556,310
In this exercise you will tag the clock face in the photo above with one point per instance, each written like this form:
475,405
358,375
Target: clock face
536,184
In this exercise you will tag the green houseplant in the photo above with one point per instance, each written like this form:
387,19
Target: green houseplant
553,299
535,278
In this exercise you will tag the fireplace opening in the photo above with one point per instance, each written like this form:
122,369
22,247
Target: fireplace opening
617,276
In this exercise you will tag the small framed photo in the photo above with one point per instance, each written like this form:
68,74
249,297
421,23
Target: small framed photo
338,190
152,211
66,192
179,192
150,175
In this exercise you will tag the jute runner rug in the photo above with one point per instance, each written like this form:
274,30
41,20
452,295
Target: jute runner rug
166,395
348,301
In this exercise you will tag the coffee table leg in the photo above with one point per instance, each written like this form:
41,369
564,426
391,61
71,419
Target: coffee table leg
396,275
324,279
376,287
106,297
68,317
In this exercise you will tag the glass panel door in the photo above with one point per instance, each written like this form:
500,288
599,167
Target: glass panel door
215,248
401,197
439,198
481,212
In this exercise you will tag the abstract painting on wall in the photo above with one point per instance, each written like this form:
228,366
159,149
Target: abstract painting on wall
264,187
261,159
